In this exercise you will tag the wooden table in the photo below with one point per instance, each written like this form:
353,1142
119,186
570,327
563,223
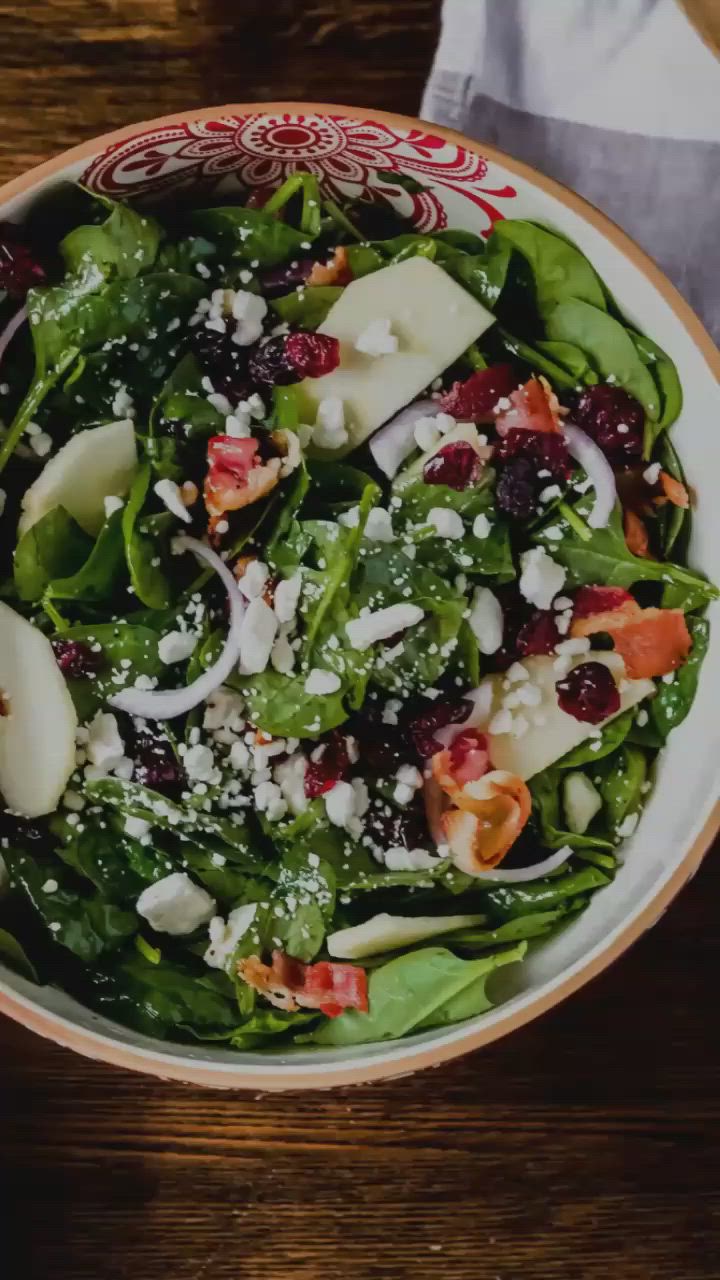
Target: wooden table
584,1147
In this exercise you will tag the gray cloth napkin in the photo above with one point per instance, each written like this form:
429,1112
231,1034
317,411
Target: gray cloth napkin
618,99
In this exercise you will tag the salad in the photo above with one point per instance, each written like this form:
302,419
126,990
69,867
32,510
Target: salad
344,608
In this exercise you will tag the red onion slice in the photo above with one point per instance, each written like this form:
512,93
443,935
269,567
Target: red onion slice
11,329
518,875
167,704
593,461
392,444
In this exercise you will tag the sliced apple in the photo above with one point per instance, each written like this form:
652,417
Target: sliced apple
551,732
434,320
387,933
37,719
95,464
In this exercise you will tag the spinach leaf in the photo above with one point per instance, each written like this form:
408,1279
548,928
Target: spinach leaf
604,557
182,400
559,270
149,582
53,547
416,991
483,275
98,577
536,357
87,925
622,776
673,521
666,378
13,954
307,307
121,643
120,867
250,234
265,1027
608,346
569,357
310,214
125,245
490,556
507,902
165,999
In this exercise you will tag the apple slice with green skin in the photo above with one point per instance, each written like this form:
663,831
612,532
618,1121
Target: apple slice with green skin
93,465
37,719
434,320
547,742
388,933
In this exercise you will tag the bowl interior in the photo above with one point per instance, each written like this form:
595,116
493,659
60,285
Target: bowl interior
443,184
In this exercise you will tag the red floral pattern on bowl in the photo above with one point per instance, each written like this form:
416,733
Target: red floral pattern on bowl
352,158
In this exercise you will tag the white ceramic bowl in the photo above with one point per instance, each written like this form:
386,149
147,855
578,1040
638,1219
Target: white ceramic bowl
469,185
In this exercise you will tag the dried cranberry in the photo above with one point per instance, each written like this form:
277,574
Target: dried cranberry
382,747
457,465
516,491
590,600
538,635
334,762
312,355
223,361
588,693
19,268
613,418
392,829
277,281
475,399
516,613
269,365
76,659
156,764
547,449
423,728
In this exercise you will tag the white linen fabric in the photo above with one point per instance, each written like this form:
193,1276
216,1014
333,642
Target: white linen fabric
619,99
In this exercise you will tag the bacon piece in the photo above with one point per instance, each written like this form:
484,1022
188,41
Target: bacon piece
335,272
465,760
652,642
489,817
535,407
235,478
290,985
636,535
674,491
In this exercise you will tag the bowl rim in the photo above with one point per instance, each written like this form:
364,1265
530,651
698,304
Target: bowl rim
401,1057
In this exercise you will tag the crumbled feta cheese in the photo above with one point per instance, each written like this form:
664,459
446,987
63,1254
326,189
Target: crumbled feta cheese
516,673
541,577
652,473
401,859
169,493
642,718
350,519
481,526
269,800
224,936
252,583
377,339
329,431
486,620
257,636
286,597
390,711
176,646
408,781
448,523
628,825
427,433
573,646
290,777
41,444
502,722
282,654
237,425
175,905
224,712
137,828
341,806
199,763
379,526
320,682
220,402
249,309
549,492
369,628
105,748
111,505
123,405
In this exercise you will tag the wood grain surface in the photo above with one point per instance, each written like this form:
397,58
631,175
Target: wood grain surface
585,1146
